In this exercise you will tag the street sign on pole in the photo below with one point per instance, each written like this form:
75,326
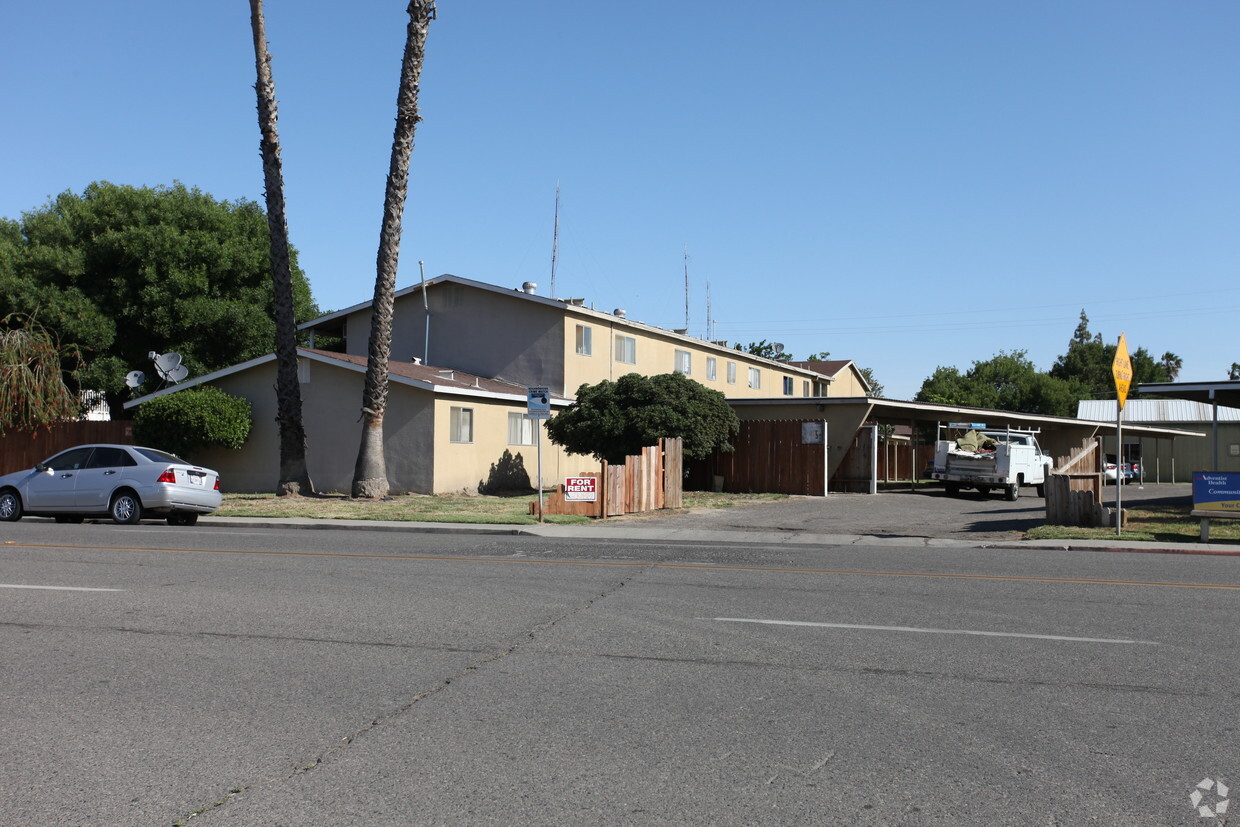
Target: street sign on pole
1121,369
538,403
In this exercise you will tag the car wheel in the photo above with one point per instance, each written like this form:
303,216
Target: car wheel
126,508
10,506
1013,492
68,518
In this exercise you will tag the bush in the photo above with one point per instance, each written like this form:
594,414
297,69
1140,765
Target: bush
190,420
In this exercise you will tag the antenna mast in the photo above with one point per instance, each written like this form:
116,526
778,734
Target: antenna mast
686,287
555,237
710,322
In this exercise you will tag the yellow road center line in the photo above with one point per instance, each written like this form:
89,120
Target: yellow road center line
1012,578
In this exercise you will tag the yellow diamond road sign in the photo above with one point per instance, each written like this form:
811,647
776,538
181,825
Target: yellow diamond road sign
1121,369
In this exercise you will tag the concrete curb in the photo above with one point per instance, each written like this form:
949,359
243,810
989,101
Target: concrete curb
680,535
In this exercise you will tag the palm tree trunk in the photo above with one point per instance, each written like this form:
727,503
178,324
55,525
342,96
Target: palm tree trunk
294,475
370,473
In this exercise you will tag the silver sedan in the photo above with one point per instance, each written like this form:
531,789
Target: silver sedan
127,482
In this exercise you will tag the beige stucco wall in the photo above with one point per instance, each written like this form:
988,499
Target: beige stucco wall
847,383
331,400
462,466
656,353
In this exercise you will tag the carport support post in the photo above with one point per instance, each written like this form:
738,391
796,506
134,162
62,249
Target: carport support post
540,486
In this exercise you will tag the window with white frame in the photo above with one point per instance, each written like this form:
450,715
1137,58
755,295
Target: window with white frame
711,369
626,349
805,388
521,428
787,386
684,362
461,428
584,346
755,378
731,373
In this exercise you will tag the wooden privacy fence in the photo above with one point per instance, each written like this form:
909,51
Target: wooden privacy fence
775,456
647,481
1074,489
22,449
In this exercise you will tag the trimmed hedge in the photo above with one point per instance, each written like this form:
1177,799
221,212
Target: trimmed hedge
190,420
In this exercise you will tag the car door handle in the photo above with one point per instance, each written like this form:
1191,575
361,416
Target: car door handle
107,473
65,476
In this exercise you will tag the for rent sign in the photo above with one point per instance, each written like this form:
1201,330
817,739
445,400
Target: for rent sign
1216,491
581,489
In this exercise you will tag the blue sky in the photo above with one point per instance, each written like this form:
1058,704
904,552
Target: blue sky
905,184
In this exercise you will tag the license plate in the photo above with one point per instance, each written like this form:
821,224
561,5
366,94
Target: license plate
197,479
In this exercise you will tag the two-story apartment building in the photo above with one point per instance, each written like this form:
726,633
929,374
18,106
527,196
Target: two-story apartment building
520,337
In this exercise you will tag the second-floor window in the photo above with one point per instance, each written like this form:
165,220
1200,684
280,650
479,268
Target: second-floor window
787,386
710,368
583,340
755,378
805,388
684,362
626,350
731,373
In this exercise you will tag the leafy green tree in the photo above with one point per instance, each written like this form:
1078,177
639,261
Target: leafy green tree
32,386
1088,363
611,420
189,420
1007,381
876,387
121,271
1234,371
767,350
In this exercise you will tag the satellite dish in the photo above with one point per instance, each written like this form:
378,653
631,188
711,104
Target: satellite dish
134,378
169,367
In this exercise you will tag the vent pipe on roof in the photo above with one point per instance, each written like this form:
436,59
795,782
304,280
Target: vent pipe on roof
529,287
620,312
416,360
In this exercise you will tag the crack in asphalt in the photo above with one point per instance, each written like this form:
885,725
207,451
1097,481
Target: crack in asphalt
375,723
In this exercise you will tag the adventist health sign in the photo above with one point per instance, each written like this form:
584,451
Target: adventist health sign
1216,491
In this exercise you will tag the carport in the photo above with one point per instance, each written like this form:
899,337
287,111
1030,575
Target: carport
1215,394
831,443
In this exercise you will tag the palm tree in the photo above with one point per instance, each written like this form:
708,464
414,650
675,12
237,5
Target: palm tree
1234,372
294,476
1172,364
370,473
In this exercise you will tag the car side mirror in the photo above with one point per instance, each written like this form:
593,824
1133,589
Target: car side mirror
40,467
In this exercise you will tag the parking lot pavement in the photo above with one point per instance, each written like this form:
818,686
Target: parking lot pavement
926,512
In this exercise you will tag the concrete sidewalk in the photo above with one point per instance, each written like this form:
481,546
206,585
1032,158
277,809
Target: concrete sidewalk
668,534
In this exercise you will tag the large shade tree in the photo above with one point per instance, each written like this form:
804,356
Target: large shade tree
611,420
120,271
370,473
294,475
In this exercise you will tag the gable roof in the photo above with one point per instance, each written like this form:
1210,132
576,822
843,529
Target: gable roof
832,368
424,377
333,323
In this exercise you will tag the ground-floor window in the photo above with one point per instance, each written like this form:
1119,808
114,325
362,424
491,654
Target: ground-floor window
462,427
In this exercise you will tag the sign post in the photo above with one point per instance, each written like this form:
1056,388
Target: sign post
1121,370
538,407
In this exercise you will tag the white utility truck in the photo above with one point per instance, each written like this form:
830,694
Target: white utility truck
970,455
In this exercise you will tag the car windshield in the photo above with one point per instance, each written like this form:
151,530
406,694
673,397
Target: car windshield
155,455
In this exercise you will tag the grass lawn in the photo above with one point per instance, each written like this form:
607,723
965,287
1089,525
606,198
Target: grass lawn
1162,523
446,508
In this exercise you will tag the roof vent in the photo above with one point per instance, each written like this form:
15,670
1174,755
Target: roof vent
417,360
681,330
447,374
529,287
721,342
576,302
620,312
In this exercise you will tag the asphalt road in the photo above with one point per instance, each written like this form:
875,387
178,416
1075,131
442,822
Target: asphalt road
926,511
336,678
